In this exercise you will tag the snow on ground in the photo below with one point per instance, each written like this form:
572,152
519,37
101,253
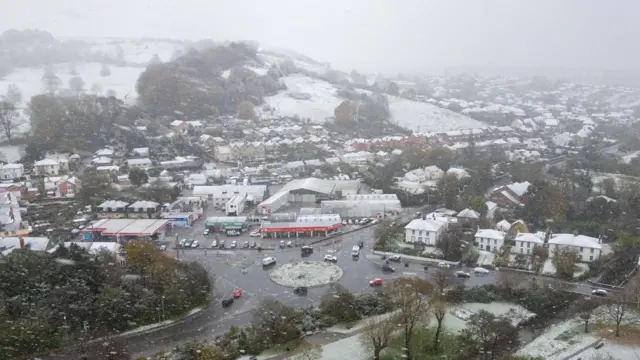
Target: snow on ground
322,102
425,117
122,79
318,108
11,153
159,324
559,341
609,351
456,319
139,51
358,325
306,273
349,348
485,257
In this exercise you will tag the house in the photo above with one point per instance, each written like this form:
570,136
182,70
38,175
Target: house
207,141
101,161
511,195
105,152
143,209
525,242
468,214
503,225
489,239
142,152
11,171
425,231
587,247
143,163
247,150
433,173
68,186
222,153
46,167
179,126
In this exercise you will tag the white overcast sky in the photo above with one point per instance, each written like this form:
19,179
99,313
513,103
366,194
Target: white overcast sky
371,35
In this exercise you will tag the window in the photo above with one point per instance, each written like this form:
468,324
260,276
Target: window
420,233
528,245
420,239
413,232
591,257
521,251
521,243
495,241
592,250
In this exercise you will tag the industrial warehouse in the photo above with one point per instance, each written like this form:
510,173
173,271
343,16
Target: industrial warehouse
309,190
303,226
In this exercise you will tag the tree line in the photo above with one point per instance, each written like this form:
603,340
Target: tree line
48,300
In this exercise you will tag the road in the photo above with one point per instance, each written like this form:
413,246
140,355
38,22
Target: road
242,269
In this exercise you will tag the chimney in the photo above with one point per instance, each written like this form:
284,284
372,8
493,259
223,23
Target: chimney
21,240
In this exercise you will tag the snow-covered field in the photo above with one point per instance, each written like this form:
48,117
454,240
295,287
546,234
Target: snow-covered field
416,116
122,79
139,51
559,341
424,117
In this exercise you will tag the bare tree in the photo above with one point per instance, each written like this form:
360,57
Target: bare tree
410,297
50,81
376,335
442,279
76,84
13,94
585,311
617,310
489,337
9,119
439,312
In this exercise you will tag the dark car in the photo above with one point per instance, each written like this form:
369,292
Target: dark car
306,251
300,290
227,302
388,268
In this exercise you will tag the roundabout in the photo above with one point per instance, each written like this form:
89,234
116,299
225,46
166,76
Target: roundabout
306,273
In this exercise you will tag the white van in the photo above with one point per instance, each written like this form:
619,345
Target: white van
268,261
480,270
355,250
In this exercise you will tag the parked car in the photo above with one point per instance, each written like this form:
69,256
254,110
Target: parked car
234,244
481,270
444,265
330,258
306,251
237,293
281,244
254,244
599,292
232,233
255,233
227,302
182,243
344,222
246,245
222,244
205,232
375,282
289,243
163,247
388,268
214,244
462,274
395,258
195,244
268,261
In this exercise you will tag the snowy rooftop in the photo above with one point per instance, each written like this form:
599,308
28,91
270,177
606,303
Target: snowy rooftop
490,234
8,244
575,241
127,226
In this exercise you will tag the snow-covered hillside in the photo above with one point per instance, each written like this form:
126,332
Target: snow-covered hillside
306,96
316,99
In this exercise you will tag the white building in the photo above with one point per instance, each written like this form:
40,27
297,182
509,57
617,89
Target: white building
11,171
46,167
143,163
587,247
427,231
525,242
235,205
219,195
489,239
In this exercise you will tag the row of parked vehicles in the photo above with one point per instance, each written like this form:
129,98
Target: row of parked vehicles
364,221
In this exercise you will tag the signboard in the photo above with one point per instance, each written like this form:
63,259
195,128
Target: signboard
87,236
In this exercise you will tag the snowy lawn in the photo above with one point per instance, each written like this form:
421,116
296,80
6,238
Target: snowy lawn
306,273
160,324
357,325
609,351
559,341
426,117
457,317
549,269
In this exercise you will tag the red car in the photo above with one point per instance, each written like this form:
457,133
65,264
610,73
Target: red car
237,293
375,282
